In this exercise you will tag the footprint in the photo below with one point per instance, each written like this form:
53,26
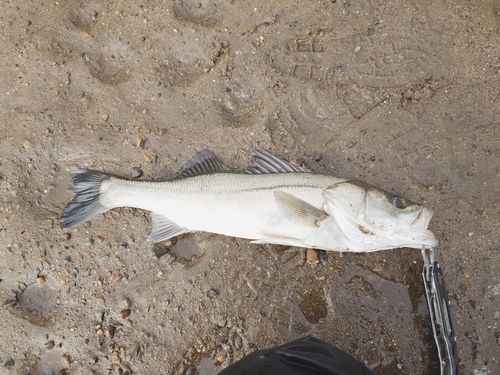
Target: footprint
85,15
38,300
204,12
49,363
110,62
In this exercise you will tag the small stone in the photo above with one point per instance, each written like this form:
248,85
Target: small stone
137,172
111,331
147,158
163,131
66,360
49,345
116,357
312,256
130,240
105,117
222,323
99,238
372,165
139,141
40,280
221,358
238,342
231,105
27,144
252,30
9,363
144,111
124,313
357,48
351,144
370,31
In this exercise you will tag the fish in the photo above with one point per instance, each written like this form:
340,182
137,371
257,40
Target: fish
271,202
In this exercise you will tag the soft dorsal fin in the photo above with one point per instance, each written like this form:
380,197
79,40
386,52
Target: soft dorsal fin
266,163
204,162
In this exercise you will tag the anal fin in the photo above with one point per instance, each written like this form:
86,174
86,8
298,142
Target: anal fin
299,210
164,228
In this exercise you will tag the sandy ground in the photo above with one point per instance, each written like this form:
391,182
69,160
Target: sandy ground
403,95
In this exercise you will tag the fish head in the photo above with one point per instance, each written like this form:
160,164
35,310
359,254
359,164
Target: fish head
372,219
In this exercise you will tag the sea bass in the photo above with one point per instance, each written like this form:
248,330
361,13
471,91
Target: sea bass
272,202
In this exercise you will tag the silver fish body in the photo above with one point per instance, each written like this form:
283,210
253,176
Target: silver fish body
277,203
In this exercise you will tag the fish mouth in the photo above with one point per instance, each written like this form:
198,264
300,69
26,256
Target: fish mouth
423,218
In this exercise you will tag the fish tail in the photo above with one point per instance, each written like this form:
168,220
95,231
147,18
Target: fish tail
86,203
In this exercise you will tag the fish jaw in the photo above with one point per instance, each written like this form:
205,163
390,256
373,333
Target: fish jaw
423,218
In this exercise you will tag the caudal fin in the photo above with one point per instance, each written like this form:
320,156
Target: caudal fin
85,204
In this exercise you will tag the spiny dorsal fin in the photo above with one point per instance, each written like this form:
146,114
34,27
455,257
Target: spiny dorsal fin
298,210
204,162
266,163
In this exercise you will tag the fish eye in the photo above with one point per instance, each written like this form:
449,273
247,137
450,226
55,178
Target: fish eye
397,201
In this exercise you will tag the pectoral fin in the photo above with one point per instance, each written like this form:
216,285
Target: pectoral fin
164,228
299,210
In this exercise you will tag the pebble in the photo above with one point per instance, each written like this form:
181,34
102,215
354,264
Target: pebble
312,256
221,358
40,280
27,144
9,363
357,48
139,141
147,158
252,29
163,131
105,117
66,360
124,313
116,357
231,105
137,172
130,240
351,144
370,32
238,342
49,345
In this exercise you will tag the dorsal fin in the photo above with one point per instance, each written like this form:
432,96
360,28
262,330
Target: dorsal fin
204,162
266,163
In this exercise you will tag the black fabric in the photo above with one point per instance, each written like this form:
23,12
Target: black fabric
307,356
